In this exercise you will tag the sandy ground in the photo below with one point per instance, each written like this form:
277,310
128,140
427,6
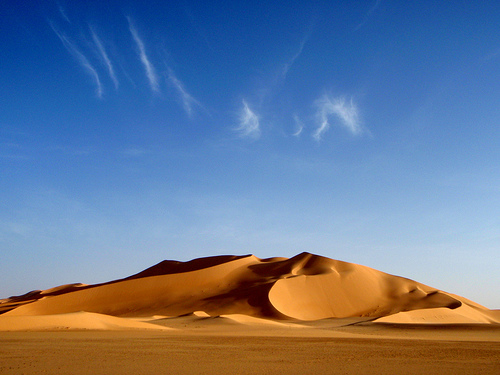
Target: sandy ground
361,349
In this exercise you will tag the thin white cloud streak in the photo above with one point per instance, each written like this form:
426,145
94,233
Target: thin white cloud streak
249,123
63,13
289,64
299,125
188,102
368,14
492,55
346,112
148,67
134,152
104,57
80,57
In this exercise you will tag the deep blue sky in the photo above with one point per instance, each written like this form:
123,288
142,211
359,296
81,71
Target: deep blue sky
364,131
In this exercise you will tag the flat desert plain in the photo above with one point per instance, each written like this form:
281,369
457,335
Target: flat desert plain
245,315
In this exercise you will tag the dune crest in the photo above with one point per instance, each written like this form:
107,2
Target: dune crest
305,287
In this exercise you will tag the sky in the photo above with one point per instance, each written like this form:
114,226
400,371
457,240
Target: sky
364,131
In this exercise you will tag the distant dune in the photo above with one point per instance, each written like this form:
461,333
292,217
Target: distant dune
306,287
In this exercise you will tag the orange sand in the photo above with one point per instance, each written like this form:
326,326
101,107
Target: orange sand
242,314
305,287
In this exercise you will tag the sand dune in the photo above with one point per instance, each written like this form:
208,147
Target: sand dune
306,287
465,314
72,321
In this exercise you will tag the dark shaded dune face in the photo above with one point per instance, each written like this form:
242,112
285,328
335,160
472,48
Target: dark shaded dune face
170,294
16,301
247,299
431,300
36,294
168,267
302,264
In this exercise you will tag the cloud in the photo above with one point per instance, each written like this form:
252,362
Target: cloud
346,112
288,65
492,55
188,102
63,13
134,152
104,57
148,67
249,122
368,14
82,60
299,126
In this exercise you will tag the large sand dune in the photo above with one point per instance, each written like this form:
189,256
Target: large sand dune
306,287
245,315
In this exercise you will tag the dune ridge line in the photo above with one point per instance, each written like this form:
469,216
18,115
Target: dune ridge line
306,287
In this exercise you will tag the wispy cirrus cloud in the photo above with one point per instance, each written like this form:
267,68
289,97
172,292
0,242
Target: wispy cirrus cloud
13,151
345,111
104,56
248,122
188,102
63,13
134,152
368,14
148,66
289,63
492,55
271,86
299,126
82,60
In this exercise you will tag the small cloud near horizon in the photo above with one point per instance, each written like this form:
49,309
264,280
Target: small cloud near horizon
134,152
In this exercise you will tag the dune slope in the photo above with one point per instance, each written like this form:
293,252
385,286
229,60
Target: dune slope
73,321
305,287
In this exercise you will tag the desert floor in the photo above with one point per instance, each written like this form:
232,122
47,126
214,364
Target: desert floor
211,348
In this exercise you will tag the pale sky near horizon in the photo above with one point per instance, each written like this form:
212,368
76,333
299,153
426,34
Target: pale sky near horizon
364,131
